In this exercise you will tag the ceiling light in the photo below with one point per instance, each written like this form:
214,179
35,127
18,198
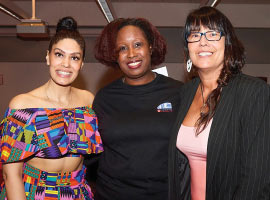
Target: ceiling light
107,9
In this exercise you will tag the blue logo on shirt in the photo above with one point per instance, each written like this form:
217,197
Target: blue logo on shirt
165,107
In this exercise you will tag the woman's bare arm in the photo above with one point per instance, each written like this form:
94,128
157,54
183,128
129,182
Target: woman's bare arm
12,174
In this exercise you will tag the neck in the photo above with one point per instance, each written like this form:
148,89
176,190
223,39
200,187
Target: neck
140,80
57,93
209,79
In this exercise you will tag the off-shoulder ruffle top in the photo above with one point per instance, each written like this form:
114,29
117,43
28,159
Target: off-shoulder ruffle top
48,133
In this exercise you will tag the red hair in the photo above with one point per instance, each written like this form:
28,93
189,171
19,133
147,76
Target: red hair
105,48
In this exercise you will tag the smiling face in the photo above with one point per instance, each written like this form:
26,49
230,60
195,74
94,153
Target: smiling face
207,55
65,61
134,55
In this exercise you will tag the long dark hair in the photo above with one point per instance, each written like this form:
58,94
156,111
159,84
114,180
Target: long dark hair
67,28
234,55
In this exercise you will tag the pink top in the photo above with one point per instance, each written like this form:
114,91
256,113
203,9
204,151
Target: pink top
195,148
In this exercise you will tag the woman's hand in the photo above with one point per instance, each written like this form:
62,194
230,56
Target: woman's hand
12,175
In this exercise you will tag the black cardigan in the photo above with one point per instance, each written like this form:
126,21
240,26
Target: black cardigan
238,151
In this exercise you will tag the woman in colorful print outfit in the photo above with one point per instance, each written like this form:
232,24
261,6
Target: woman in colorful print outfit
46,132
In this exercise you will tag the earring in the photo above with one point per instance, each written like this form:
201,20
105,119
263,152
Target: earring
189,65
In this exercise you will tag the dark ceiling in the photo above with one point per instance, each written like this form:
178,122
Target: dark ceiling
254,33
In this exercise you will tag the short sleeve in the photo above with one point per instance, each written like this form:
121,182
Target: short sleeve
49,133
18,137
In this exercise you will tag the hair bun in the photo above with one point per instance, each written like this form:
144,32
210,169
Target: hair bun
66,23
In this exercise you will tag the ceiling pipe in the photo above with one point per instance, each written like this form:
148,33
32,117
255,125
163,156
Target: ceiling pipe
107,9
13,10
212,3
8,12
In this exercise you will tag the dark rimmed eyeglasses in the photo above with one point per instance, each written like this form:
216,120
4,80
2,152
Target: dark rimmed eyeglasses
209,35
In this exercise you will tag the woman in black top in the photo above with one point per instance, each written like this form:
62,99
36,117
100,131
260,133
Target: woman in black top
135,113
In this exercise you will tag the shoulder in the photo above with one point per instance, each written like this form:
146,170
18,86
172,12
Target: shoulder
21,101
108,92
250,84
170,81
27,100
114,86
168,86
249,92
247,79
86,96
32,99
191,84
118,83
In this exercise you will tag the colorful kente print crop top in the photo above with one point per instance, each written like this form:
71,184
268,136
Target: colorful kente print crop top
48,133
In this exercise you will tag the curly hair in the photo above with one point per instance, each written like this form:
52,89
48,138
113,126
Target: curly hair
67,28
234,55
105,47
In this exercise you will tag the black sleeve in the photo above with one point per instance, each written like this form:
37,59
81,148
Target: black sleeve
255,146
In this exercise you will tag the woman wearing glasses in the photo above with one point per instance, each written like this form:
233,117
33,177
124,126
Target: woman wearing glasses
223,127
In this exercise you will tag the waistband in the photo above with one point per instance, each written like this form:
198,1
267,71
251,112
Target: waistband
38,177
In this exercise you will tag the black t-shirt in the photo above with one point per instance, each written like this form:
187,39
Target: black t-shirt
135,125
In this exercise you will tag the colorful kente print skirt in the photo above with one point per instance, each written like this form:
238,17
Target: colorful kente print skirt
40,185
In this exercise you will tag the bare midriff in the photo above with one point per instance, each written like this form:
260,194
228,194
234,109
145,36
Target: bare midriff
64,164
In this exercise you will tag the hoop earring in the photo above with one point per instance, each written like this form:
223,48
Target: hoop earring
189,65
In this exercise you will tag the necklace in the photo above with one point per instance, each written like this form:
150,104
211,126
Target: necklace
203,109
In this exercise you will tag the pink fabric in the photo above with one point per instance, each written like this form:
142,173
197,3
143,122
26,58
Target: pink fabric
195,148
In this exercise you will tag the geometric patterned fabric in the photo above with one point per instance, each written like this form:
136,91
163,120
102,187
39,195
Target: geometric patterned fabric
40,185
48,133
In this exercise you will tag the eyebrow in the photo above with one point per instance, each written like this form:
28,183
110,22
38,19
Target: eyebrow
65,52
124,43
